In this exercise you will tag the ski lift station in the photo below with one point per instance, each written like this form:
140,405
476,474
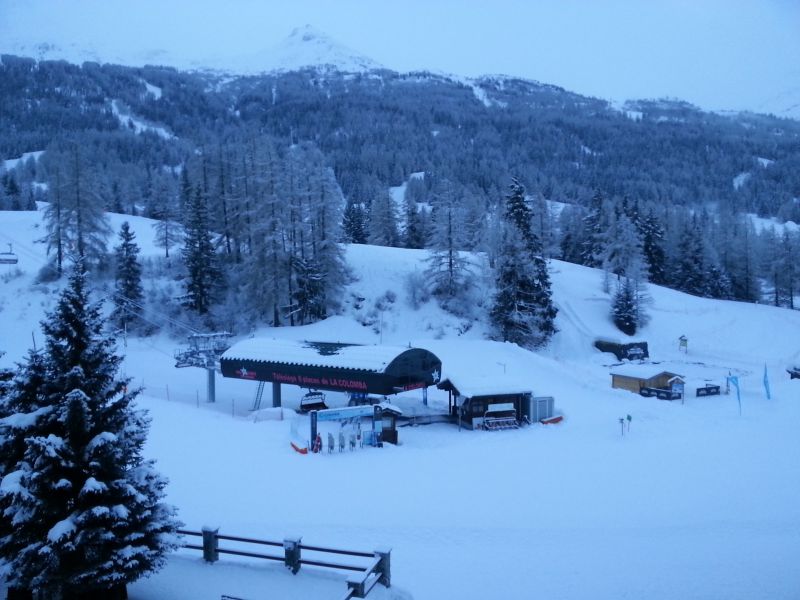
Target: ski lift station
357,369
370,373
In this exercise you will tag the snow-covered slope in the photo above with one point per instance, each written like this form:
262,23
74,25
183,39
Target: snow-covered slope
785,104
80,52
13,163
693,502
306,47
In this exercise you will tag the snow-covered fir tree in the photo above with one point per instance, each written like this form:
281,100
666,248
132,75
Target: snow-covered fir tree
199,257
523,310
623,251
625,306
625,263
652,234
354,223
513,311
595,227
85,506
691,275
571,226
6,375
736,250
308,297
698,269
415,231
22,401
12,196
128,295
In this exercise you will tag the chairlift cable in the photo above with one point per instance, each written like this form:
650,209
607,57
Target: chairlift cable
30,253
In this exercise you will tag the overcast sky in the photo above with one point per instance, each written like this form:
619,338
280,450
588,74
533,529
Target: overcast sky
737,54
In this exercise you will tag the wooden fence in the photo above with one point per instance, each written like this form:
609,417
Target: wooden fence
359,583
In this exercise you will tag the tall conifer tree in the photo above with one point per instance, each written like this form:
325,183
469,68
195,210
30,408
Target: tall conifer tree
128,294
523,310
84,505
199,257
625,307
652,233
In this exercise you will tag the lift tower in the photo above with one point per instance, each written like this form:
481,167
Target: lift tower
203,351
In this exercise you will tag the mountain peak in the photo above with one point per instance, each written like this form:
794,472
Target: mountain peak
308,33
307,46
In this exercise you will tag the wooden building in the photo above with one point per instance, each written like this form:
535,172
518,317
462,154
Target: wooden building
635,378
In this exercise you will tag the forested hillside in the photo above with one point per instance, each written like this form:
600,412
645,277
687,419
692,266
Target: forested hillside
286,165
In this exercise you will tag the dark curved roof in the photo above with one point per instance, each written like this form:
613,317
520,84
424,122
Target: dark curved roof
332,366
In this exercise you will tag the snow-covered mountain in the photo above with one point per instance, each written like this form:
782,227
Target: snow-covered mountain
78,53
305,47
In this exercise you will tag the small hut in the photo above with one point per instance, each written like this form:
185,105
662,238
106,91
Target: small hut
478,403
639,378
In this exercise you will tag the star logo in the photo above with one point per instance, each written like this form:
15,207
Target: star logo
435,376
245,374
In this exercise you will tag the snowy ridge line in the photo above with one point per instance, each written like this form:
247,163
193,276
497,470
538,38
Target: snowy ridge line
378,571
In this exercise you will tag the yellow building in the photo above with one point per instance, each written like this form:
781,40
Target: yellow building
636,377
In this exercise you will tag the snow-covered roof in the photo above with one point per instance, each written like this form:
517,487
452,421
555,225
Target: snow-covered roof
641,371
318,354
481,385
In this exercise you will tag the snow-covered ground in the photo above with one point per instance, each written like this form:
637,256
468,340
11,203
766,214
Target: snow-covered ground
138,125
12,163
762,223
694,501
